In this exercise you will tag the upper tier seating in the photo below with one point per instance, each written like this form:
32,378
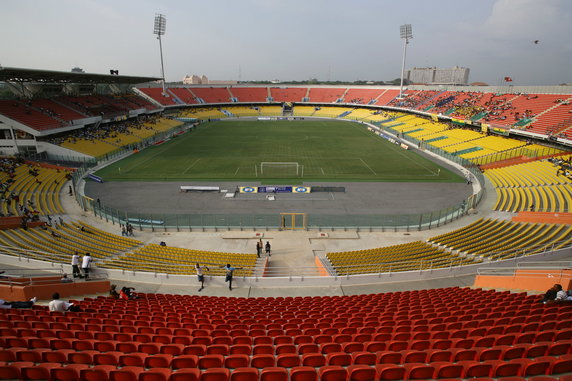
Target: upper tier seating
362,96
325,95
414,99
58,110
557,121
157,94
184,95
425,334
28,115
212,94
250,94
386,97
290,94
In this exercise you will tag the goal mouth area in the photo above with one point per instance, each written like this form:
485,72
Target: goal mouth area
279,169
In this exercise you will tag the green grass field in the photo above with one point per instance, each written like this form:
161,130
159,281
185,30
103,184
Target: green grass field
234,150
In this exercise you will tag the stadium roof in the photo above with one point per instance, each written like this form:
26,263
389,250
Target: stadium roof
12,74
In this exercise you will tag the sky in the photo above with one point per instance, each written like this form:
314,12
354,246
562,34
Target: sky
344,40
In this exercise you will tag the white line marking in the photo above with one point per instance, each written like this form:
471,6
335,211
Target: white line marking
191,166
364,163
322,169
235,172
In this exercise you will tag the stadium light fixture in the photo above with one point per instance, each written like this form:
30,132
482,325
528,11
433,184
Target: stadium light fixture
159,30
406,34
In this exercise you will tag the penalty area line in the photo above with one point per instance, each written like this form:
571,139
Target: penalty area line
368,167
191,166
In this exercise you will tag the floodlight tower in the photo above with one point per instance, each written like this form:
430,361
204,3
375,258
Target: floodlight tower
159,30
406,34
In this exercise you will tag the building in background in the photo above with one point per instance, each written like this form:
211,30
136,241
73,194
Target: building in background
438,76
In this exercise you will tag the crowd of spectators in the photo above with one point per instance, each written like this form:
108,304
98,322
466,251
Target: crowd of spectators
468,104
104,131
563,166
413,100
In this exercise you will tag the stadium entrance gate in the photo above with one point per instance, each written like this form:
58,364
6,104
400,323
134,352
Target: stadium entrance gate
292,221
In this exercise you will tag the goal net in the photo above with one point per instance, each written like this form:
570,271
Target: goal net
280,169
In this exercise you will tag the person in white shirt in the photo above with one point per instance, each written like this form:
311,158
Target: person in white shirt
75,266
201,275
57,305
561,295
86,264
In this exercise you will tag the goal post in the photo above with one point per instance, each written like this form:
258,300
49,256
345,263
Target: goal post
281,169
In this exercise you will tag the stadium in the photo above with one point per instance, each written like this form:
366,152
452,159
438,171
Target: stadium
411,230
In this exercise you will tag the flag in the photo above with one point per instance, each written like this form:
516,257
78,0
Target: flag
507,79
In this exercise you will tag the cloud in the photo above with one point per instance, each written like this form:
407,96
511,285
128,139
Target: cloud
529,19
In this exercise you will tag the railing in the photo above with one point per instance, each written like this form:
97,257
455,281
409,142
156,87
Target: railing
27,277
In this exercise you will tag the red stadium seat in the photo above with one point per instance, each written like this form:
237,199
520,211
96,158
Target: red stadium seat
155,374
303,373
361,373
236,361
390,372
332,373
244,374
185,361
215,374
187,374
263,361
273,374
315,360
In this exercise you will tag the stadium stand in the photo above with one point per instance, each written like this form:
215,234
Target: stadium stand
406,257
292,94
531,186
325,95
30,186
27,115
386,97
156,258
250,94
156,93
184,95
425,334
212,94
58,110
362,96
498,239
100,140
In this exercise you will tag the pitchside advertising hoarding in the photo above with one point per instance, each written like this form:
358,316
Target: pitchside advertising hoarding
298,189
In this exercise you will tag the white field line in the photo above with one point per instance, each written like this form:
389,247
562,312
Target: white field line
191,166
368,167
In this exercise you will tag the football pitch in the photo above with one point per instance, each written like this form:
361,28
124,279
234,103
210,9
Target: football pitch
278,152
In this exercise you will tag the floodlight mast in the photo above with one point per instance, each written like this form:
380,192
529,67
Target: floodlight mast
406,34
159,30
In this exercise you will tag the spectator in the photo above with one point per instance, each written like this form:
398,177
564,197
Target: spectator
57,305
86,265
267,248
229,274
126,293
5,305
75,266
113,292
200,275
